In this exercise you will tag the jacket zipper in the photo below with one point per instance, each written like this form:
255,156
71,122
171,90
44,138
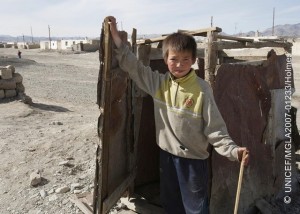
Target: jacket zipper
175,98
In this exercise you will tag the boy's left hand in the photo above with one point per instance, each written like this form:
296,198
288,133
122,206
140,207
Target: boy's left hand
240,155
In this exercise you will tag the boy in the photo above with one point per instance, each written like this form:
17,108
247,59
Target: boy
186,120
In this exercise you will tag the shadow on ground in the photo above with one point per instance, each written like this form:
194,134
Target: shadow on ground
46,107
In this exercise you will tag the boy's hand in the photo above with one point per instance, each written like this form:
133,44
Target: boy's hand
114,31
240,155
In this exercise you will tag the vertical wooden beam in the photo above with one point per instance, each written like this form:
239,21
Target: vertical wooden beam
211,57
131,141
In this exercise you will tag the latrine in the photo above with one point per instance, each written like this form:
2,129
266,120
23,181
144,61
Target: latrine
249,98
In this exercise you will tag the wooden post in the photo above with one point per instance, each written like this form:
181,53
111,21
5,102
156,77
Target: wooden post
211,57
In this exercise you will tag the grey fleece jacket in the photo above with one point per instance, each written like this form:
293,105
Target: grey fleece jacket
186,116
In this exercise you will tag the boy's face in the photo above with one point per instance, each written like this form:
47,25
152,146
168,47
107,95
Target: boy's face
180,63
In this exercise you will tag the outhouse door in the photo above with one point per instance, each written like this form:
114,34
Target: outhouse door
115,153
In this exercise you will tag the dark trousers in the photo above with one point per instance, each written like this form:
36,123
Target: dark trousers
183,184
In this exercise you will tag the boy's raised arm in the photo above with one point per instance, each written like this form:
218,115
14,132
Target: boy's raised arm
114,31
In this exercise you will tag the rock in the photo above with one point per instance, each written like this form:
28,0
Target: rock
77,191
10,93
17,77
43,193
63,189
5,73
53,197
35,178
51,191
56,123
64,163
2,94
8,84
76,186
11,67
20,87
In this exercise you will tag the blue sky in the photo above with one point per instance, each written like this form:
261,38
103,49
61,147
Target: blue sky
84,17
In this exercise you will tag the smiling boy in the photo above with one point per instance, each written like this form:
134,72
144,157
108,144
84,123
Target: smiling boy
186,120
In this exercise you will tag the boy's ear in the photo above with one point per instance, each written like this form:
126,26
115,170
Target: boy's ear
194,60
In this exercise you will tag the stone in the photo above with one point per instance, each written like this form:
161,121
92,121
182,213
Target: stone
10,93
2,94
76,186
43,193
11,67
5,73
53,197
35,178
77,191
20,87
63,189
64,163
8,84
17,77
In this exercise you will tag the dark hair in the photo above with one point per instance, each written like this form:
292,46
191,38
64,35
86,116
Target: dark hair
179,42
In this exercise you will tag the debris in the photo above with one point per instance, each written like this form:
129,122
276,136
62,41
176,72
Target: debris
53,197
63,189
43,193
35,178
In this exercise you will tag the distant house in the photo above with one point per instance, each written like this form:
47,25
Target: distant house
71,44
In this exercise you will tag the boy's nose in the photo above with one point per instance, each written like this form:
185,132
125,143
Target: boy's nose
178,64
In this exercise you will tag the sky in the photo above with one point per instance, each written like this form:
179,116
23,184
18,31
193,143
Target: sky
85,17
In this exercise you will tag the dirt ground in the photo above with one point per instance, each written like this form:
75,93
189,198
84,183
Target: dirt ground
60,125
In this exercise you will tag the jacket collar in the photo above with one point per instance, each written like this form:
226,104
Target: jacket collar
187,77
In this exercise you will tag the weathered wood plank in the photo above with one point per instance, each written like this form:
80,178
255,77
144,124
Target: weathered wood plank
141,206
211,57
221,45
84,208
115,196
200,32
239,39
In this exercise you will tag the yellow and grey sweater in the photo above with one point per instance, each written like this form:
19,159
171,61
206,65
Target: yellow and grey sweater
186,116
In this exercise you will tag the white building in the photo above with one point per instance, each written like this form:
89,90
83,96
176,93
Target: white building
64,44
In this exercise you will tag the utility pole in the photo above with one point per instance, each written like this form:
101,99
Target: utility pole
273,21
49,36
211,21
31,34
23,39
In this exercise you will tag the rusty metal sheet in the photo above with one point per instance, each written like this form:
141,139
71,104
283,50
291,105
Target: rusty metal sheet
242,93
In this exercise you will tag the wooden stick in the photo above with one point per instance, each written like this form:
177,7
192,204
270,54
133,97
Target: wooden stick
238,192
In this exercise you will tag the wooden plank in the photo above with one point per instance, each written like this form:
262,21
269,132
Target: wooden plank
265,207
140,205
115,196
200,32
211,57
239,39
82,206
221,45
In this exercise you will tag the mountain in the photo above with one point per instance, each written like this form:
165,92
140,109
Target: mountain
287,30
7,38
284,30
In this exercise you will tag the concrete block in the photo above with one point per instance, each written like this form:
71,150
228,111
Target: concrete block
12,68
2,94
5,73
10,93
20,87
17,77
7,84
